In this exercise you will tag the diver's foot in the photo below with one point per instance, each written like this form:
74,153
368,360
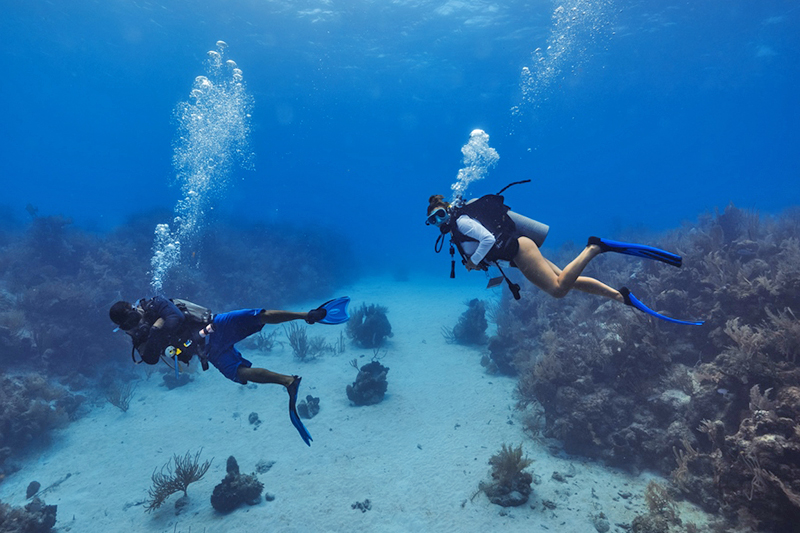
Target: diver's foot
598,245
292,387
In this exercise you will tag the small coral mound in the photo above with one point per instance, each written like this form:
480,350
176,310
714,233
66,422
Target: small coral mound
368,326
308,408
510,486
370,385
236,489
35,517
471,326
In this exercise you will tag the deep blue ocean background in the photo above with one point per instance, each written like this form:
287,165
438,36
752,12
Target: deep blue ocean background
658,113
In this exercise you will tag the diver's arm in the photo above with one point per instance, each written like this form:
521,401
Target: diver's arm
168,320
169,316
472,228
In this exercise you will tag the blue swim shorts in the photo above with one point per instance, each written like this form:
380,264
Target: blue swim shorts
230,328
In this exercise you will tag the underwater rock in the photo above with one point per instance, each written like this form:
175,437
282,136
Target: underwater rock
263,466
33,488
370,385
35,517
364,506
172,382
308,408
600,523
236,489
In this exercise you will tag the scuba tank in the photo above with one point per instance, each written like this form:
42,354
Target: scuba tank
532,229
526,227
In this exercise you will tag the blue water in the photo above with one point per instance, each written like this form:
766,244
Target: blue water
654,112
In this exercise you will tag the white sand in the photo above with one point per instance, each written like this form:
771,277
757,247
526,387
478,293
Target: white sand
418,456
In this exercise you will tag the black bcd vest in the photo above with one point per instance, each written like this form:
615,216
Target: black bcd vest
492,213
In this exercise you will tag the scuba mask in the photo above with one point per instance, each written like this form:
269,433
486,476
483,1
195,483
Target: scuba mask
131,321
439,216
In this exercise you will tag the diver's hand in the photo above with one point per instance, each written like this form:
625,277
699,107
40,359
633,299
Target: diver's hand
470,265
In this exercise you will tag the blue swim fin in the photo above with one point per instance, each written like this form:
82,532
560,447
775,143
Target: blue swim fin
336,311
638,250
296,422
633,301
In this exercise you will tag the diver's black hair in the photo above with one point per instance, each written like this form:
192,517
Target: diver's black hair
119,312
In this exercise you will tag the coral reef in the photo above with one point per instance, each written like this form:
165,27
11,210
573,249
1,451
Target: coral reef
662,511
510,485
236,489
31,407
368,326
35,517
169,479
370,385
471,326
714,405
308,408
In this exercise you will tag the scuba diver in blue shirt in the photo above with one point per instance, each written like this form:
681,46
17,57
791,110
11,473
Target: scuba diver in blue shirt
485,231
178,330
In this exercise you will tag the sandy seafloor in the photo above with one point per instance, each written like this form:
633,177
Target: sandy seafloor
418,456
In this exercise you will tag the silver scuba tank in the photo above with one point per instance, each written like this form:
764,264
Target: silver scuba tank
532,229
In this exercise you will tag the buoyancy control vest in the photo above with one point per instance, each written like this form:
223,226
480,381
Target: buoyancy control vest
492,213
186,339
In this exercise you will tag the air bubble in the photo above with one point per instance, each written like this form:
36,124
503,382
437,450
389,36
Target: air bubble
212,138
479,157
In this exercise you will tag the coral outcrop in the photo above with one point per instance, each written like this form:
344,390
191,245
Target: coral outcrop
369,326
30,408
370,385
471,326
236,489
308,408
510,485
35,517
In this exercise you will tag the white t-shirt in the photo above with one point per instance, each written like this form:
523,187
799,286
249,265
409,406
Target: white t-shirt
472,228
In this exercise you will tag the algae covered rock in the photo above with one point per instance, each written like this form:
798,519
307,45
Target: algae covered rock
236,489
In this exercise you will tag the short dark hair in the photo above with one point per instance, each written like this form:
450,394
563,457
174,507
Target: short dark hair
119,312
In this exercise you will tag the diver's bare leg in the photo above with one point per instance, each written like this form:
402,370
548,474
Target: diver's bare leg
540,271
262,375
272,316
591,286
